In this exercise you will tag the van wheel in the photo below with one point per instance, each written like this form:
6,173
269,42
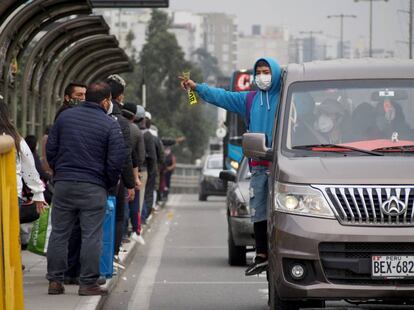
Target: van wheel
276,303
237,254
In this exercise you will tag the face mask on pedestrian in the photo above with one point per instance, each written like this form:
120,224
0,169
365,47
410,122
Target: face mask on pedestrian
74,101
325,123
110,108
263,81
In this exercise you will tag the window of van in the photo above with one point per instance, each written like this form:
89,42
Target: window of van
350,117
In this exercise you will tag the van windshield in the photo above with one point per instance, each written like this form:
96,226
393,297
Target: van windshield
370,115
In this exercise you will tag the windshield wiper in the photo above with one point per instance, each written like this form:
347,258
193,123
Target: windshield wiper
331,145
409,148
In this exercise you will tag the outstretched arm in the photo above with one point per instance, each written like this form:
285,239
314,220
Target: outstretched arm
231,101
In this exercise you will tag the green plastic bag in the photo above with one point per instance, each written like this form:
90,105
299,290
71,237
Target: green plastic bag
39,238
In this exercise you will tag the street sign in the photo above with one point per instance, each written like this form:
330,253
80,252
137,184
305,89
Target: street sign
130,3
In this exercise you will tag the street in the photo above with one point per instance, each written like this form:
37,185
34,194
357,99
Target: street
184,265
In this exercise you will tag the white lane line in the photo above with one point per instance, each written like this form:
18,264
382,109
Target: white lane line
141,296
196,247
210,282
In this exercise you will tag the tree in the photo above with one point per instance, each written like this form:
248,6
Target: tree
160,62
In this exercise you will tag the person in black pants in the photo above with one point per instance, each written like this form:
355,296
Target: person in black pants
74,94
126,188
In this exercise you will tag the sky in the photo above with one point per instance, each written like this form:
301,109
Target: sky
389,25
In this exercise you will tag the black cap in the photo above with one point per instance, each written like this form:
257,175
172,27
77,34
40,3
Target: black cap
130,108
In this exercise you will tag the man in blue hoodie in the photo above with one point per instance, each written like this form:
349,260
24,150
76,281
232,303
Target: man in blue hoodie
267,77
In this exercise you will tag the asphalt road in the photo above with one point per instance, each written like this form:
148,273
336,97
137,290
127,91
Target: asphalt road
184,265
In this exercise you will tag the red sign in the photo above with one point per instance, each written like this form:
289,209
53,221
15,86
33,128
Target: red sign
242,81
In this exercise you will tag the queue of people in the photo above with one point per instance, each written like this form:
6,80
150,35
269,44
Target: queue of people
98,146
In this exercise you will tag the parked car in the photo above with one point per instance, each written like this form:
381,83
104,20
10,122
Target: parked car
240,228
210,183
341,211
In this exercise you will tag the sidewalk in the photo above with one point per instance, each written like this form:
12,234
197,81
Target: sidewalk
36,285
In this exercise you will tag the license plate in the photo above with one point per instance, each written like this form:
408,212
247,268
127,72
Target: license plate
392,266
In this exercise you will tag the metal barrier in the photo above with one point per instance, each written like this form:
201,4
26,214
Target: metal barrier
185,179
11,276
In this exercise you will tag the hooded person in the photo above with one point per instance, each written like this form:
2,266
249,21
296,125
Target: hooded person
260,119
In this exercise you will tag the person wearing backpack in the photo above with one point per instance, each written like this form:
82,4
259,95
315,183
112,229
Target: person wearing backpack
259,110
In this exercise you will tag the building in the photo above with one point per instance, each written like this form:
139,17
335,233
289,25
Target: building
129,26
313,48
272,42
189,31
220,39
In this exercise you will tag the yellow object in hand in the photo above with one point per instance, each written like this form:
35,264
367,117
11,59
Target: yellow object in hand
192,99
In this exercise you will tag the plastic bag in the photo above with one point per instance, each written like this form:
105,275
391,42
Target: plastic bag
39,238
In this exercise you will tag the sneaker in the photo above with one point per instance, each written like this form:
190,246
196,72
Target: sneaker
55,288
259,265
138,238
101,280
92,290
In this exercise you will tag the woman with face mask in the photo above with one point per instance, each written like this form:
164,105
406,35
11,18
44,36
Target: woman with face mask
329,117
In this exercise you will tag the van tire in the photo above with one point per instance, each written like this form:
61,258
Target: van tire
275,303
236,254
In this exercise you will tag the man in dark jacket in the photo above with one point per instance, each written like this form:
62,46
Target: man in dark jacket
138,151
128,181
74,94
85,150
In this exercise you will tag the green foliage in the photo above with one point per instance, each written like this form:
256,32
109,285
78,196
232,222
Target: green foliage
160,63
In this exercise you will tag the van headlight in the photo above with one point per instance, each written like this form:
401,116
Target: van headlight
303,200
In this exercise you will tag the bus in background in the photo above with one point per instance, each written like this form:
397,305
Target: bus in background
242,80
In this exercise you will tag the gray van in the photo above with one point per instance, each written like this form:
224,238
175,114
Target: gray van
341,207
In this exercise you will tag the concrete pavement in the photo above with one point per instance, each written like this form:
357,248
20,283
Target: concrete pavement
36,285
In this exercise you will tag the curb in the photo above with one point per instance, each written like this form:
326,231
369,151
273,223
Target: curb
97,302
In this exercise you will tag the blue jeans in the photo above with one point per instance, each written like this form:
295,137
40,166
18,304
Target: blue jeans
131,213
259,193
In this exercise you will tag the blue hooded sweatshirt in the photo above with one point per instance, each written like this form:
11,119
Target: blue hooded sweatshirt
264,105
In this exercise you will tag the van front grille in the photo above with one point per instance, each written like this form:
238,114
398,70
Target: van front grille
378,206
350,263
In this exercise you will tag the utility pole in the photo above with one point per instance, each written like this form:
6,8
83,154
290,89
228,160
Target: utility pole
370,21
311,33
341,30
410,37
410,29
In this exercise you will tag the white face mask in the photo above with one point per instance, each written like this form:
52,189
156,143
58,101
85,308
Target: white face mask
325,123
111,107
263,81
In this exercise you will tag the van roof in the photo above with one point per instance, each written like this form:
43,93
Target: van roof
341,69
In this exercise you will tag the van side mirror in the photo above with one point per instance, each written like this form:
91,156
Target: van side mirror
254,146
228,175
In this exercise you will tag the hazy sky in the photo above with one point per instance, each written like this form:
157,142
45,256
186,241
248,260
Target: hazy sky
390,25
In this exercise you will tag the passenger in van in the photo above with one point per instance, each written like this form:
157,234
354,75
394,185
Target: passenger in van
259,110
330,122
390,119
303,132
363,123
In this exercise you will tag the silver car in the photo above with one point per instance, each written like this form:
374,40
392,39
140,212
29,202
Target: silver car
240,228
210,183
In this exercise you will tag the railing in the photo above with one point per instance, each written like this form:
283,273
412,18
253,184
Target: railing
11,276
185,179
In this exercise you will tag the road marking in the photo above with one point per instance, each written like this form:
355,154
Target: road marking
210,282
141,296
196,247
